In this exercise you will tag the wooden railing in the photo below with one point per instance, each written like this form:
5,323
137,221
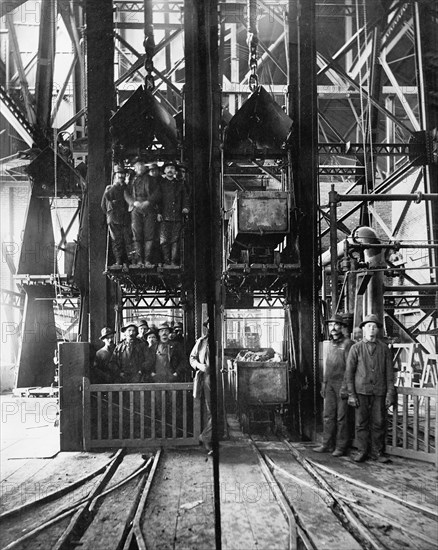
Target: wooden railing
140,415
412,427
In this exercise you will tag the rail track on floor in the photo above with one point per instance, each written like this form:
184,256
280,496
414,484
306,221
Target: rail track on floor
73,516
372,516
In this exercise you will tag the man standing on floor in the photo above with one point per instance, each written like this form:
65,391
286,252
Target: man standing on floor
335,433
200,361
100,373
370,381
170,362
132,361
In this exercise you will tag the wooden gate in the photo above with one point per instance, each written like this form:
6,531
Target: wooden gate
413,425
140,415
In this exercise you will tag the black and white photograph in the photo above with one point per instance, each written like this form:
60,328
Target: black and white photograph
219,274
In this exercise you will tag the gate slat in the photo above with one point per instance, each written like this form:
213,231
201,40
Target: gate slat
426,424
99,415
120,415
142,413
405,421
184,413
174,414
163,414
86,396
415,427
131,415
153,414
394,423
110,415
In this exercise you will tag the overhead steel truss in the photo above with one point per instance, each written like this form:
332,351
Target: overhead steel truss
370,89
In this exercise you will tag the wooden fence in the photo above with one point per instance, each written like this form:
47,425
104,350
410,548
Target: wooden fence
140,415
413,424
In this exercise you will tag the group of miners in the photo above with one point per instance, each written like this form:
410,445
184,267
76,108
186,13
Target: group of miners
360,375
145,354
145,210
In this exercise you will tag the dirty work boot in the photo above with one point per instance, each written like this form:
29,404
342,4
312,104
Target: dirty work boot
360,457
175,254
338,452
148,254
165,249
322,449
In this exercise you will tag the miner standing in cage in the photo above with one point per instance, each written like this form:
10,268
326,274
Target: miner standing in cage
174,206
143,196
117,217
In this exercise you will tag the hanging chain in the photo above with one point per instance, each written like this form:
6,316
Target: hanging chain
149,47
253,41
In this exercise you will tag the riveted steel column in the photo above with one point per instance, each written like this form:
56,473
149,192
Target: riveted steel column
303,109
100,87
202,111
426,50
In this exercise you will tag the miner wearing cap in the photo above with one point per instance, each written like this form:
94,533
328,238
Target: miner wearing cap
143,196
370,382
177,333
132,360
143,327
170,362
174,205
100,373
335,433
117,215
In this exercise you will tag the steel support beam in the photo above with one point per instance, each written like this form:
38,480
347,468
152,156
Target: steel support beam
202,122
46,64
100,85
426,42
303,111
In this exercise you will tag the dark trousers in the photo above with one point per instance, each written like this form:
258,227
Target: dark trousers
371,423
144,231
170,241
120,240
335,418
206,432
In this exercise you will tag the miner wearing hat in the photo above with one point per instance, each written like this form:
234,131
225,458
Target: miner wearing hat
143,196
170,362
335,436
100,373
370,381
177,334
143,327
132,360
117,215
174,205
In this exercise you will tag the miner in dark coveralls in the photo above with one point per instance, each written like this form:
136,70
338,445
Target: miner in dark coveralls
143,195
174,205
170,362
117,217
335,434
132,360
100,373
370,381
